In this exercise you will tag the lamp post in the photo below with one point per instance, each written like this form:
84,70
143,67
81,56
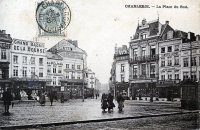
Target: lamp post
151,94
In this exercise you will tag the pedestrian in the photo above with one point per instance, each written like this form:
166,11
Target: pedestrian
7,98
120,101
104,104
51,96
111,105
96,95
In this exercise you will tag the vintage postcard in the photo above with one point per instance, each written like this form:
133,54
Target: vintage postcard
99,64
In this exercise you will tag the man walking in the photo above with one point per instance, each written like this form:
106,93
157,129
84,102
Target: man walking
7,98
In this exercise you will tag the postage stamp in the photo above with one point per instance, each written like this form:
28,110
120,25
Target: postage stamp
53,16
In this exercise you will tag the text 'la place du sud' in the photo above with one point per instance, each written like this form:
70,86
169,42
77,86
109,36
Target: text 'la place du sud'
157,6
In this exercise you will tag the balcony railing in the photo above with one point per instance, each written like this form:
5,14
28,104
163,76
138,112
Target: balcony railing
141,59
142,77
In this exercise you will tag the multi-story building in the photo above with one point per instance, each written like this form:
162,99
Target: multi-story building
112,79
90,83
5,44
54,70
144,58
170,63
121,60
175,63
97,86
69,76
28,65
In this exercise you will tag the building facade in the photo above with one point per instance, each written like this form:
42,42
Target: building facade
143,53
70,74
90,83
121,58
5,44
28,66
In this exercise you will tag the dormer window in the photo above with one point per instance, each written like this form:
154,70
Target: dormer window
143,36
169,34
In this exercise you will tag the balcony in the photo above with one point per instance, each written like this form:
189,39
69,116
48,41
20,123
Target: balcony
142,59
142,77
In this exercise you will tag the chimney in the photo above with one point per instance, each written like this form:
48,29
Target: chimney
198,37
191,36
75,43
167,22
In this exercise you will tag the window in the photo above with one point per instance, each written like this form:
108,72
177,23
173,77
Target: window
152,70
32,60
3,54
176,60
169,49
162,63
185,75
54,69
49,69
72,66
32,71
72,76
122,78
134,54
169,34
162,77
169,76
59,69
67,75
185,62
59,80
163,50
193,76
40,61
176,76
78,76
169,61
122,67
78,67
134,71
15,59
40,72
193,61
24,72
54,80
24,60
153,51
143,51
67,66
15,71
176,48
143,69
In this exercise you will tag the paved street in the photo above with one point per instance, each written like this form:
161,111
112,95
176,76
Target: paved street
27,113
175,122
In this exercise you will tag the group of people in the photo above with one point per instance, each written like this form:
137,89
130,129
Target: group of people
107,102
51,96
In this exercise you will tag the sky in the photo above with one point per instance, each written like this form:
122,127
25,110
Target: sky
99,25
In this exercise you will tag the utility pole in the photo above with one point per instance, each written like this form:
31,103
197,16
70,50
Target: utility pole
83,81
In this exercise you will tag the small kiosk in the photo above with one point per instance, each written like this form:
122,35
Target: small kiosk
189,95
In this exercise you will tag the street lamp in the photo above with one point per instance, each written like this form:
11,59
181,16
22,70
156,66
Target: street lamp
151,94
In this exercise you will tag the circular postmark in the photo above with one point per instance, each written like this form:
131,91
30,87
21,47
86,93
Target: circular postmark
53,16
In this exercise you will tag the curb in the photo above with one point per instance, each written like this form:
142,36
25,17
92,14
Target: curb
92,121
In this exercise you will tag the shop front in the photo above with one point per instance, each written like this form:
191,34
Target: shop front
73,89
169,89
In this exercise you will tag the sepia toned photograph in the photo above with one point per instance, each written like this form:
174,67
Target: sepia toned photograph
99,65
